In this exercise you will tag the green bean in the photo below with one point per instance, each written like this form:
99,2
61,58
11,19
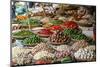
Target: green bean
31,40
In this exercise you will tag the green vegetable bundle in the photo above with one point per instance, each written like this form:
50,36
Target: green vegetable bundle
79,37
75,34
34,39
71,32
56,22
33,22
23,22
23,33
83,37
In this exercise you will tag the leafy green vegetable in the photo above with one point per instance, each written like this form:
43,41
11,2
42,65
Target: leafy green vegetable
75,34
33,22
56,22
32,40
79,37
23,33
71,32
23,22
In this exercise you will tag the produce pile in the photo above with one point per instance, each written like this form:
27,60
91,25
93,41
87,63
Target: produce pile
57,38
32,40
22,34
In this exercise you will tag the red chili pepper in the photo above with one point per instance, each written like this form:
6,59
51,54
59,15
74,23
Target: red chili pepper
70,25
56,27
45,31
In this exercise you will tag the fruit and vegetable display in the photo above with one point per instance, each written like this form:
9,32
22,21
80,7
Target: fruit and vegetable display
50,33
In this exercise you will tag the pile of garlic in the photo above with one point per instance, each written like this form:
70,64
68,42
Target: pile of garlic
42,46
43,54
85,54
21,56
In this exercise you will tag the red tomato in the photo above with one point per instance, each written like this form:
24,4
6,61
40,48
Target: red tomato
70,25
56,27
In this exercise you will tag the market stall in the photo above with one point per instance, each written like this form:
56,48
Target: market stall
48,33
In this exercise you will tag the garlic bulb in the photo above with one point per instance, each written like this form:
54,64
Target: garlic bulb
84,54
21,56
17,50
42,54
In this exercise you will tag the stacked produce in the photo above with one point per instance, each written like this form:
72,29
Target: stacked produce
22,34
42,54
58,38
85,54
70,25
45,33
19,17
71,32
21,56
42,46
32,40
56,22
53,33
56,27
